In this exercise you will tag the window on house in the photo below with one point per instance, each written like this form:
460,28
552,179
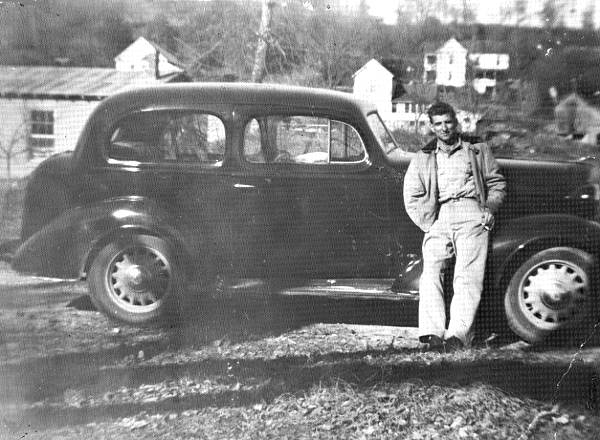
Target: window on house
451,59
393,107
431,75
431,59
41,133
450,76
406,107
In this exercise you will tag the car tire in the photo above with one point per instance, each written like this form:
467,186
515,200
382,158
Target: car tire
137,280
552,294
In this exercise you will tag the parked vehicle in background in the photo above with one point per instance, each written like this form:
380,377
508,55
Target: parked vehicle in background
178,184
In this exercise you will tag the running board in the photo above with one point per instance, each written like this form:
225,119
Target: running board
368,289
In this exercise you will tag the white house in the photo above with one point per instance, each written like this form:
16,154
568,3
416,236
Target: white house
375,83
145,56
488,69
44,108
447,66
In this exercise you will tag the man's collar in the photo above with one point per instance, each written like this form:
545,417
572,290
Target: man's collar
449,150
431,146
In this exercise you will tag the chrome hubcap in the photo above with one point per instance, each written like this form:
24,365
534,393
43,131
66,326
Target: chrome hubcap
139,278
553,293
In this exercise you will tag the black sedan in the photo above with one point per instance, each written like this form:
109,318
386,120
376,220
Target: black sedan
235,184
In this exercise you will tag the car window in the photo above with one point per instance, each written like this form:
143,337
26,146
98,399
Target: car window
382,133
169,137
301,140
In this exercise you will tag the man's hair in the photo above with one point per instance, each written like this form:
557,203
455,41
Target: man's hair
440,108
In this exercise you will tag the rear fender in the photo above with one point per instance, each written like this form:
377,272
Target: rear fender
516,240
64,247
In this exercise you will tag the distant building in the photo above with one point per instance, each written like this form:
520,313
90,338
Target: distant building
44,108
375,83
145,56
402,107
488,70
448,65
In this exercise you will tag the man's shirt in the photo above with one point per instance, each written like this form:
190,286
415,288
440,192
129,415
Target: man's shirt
454,173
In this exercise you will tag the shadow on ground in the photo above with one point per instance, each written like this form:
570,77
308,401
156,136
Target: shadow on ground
48,379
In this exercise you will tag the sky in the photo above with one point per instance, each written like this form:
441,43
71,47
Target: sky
490,11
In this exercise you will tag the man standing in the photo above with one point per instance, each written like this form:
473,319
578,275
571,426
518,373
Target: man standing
452,189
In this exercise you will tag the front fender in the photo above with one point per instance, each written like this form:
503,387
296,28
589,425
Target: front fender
517,239
61,248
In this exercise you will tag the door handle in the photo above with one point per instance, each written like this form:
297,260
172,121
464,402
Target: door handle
245,188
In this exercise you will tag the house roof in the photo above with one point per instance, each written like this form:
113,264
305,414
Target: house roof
452,45
373,64
150,46
478,46
69,83
168,55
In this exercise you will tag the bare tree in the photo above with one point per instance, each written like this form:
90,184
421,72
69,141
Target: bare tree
587,21
419,10
13,145
264,37
462,13
551,14
516,12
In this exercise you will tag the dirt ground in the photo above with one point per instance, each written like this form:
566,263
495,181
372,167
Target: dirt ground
238,369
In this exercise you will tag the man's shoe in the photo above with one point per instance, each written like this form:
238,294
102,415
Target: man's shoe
453,344
433,343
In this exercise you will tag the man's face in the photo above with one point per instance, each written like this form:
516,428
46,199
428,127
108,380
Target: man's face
444,127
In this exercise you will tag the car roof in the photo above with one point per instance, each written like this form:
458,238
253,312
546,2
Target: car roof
240,94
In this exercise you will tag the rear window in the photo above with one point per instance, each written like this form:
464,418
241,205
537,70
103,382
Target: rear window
169,137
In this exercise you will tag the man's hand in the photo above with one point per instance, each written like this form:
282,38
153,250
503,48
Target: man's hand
487,219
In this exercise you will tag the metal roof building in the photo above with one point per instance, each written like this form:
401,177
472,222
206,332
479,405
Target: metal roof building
67,83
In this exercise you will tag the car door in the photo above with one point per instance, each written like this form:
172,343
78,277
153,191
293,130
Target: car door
320,204
177,158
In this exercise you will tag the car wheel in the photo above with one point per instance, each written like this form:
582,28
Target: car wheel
137,280
550,292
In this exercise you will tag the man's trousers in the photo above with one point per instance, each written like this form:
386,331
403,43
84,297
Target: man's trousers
456,232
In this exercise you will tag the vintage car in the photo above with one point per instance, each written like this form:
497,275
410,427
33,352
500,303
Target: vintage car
239,184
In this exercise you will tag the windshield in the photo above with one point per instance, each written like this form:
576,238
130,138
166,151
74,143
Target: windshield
385,138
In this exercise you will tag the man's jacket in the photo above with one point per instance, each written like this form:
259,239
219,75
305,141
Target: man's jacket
421,187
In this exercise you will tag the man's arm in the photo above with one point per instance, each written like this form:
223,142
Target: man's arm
494,181
413,191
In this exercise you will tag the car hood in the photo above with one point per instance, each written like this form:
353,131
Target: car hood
544,178
548,178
